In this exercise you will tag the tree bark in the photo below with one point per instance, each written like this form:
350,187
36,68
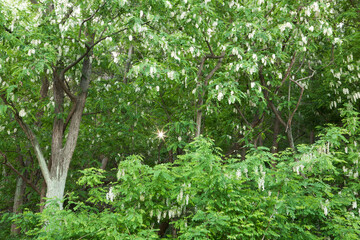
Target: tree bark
275,143
312,136
104,161
128,63
18,201
61,155
290,137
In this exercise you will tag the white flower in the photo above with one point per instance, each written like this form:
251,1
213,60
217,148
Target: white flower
327,31
110,195
304,39
171,75
180,196
354,205
31,51
252,69
238,173
191,50
157,88
282,27
315,7
252,84
22,113
168,4
130,38
220,96
254,57
325,210
261,184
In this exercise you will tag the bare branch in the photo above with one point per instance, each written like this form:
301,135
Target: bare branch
287,72
88,49
218,65
67,15
67,90
297,104
89,18
270,103
7,163
242,115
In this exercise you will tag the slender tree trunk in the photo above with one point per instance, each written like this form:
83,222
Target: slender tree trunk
104,161
199,118
18,201
275,143
128,63
201,87
290,137
42,196
312,136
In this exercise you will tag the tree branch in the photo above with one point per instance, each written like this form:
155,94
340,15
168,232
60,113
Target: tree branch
7,163
287,72
270,103
218,65
297,104
89,18
32,138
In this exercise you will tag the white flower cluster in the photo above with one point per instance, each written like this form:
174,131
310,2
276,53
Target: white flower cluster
328,31
171,75
115,56
110,196
22,113
325,207
31,51
283,27
261,180
298,168
152,71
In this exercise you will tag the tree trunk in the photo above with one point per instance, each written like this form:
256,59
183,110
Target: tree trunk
312,136
18,201
290,138
128,63
199,118
55,191
42,196
61,155
104,161
201,87
275,143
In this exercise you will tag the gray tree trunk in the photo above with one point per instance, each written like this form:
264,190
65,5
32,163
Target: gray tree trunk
18,201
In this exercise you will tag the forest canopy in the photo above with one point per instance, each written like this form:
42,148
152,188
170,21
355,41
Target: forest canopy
186,119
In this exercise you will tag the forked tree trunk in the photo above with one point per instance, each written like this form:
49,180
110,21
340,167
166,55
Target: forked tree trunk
62,155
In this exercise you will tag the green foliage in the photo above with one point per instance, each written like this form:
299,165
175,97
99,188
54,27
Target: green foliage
295,59
203,195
